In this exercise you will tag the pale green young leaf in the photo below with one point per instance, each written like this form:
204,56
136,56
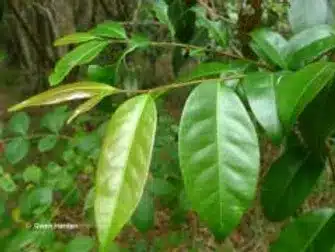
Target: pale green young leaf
82,54
75,38
123,166
69,92
110,29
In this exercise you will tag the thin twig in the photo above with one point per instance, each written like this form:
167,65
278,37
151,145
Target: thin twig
330,160
36,136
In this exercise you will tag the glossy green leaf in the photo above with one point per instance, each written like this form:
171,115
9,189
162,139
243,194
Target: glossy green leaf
219,156
260,91
144,216
104,74
315,123
124,165
75,38
82,54
210,69
7,184
69,92
80,243
289,181
295,91
110,29
86,106
33,174
16,150
308,45
160,9
272,44
47,143
19,123
304,14
313,231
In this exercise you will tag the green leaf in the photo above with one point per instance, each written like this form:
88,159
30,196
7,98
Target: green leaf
124,165
308,45
82,54
86,106
143,217
210,69
272,44
75,38
161,10
7,184
295,91
80,243
139,41
215,28
33,174
19,123
36,201
105,74
219,156
313,231
304,14
260,91
110,29
69,92
289,181
55,120
47,143
16,150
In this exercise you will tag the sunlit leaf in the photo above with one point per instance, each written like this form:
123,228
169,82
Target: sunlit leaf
123,166
219,156
75,38
73,91
311,232
85,107
82,54
7,184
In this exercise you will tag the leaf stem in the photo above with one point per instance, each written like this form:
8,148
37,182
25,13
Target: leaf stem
35,136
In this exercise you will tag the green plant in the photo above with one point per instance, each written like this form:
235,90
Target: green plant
283,92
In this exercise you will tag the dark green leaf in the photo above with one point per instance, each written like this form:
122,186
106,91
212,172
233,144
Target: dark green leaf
289,181
75,38
313,231
36,201
161,10
219,156
16,150
124,165
143,217
110,29
272,44
69,92
47,143
105,74
260,92
304,14
82,54
308,45
19,123
295,91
